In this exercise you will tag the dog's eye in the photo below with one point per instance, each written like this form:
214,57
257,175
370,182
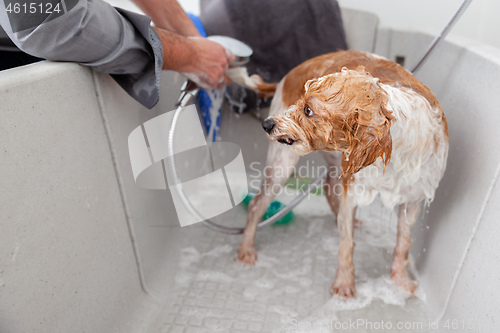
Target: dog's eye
307,111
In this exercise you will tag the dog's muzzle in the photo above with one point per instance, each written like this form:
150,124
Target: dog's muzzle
268,125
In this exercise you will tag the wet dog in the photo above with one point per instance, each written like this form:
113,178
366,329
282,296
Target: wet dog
374,121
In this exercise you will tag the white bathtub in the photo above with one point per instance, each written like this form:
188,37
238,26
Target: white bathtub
83,249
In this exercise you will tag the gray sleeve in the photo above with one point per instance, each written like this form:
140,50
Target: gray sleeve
94,34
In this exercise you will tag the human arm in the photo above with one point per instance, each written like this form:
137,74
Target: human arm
200,60
118,42
96,35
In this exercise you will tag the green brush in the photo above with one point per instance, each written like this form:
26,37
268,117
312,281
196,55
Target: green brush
298,183
273,208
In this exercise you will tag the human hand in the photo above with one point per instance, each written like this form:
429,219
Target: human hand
201,60
211,60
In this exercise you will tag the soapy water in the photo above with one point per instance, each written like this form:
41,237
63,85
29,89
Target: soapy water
288,289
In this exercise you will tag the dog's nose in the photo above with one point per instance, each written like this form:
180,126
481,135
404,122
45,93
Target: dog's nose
268,125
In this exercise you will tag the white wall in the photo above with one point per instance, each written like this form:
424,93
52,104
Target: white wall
191,6
480,21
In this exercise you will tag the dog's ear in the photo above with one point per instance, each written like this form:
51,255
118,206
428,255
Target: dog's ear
361,69
367,131
309,83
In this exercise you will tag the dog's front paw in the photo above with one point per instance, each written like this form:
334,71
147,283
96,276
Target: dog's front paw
404,281
343,289
247,255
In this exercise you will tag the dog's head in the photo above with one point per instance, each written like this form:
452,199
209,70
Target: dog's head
344,111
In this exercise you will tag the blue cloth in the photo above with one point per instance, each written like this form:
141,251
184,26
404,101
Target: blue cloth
204,100
197,23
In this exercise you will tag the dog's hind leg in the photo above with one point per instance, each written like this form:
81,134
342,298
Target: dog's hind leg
407,216
343,284
279,166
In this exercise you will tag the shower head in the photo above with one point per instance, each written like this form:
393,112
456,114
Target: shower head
241,51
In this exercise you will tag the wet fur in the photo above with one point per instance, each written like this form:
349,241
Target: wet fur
383,127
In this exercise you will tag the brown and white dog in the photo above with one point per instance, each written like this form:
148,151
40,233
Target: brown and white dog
372,118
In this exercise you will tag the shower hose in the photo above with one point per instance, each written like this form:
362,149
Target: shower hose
189,91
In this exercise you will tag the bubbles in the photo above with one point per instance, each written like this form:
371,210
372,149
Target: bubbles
189,256
220,251
296,266
381,289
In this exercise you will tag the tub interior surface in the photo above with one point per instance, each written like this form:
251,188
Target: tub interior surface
288,289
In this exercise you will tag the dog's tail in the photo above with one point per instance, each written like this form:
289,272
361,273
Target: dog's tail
266,89
254,82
